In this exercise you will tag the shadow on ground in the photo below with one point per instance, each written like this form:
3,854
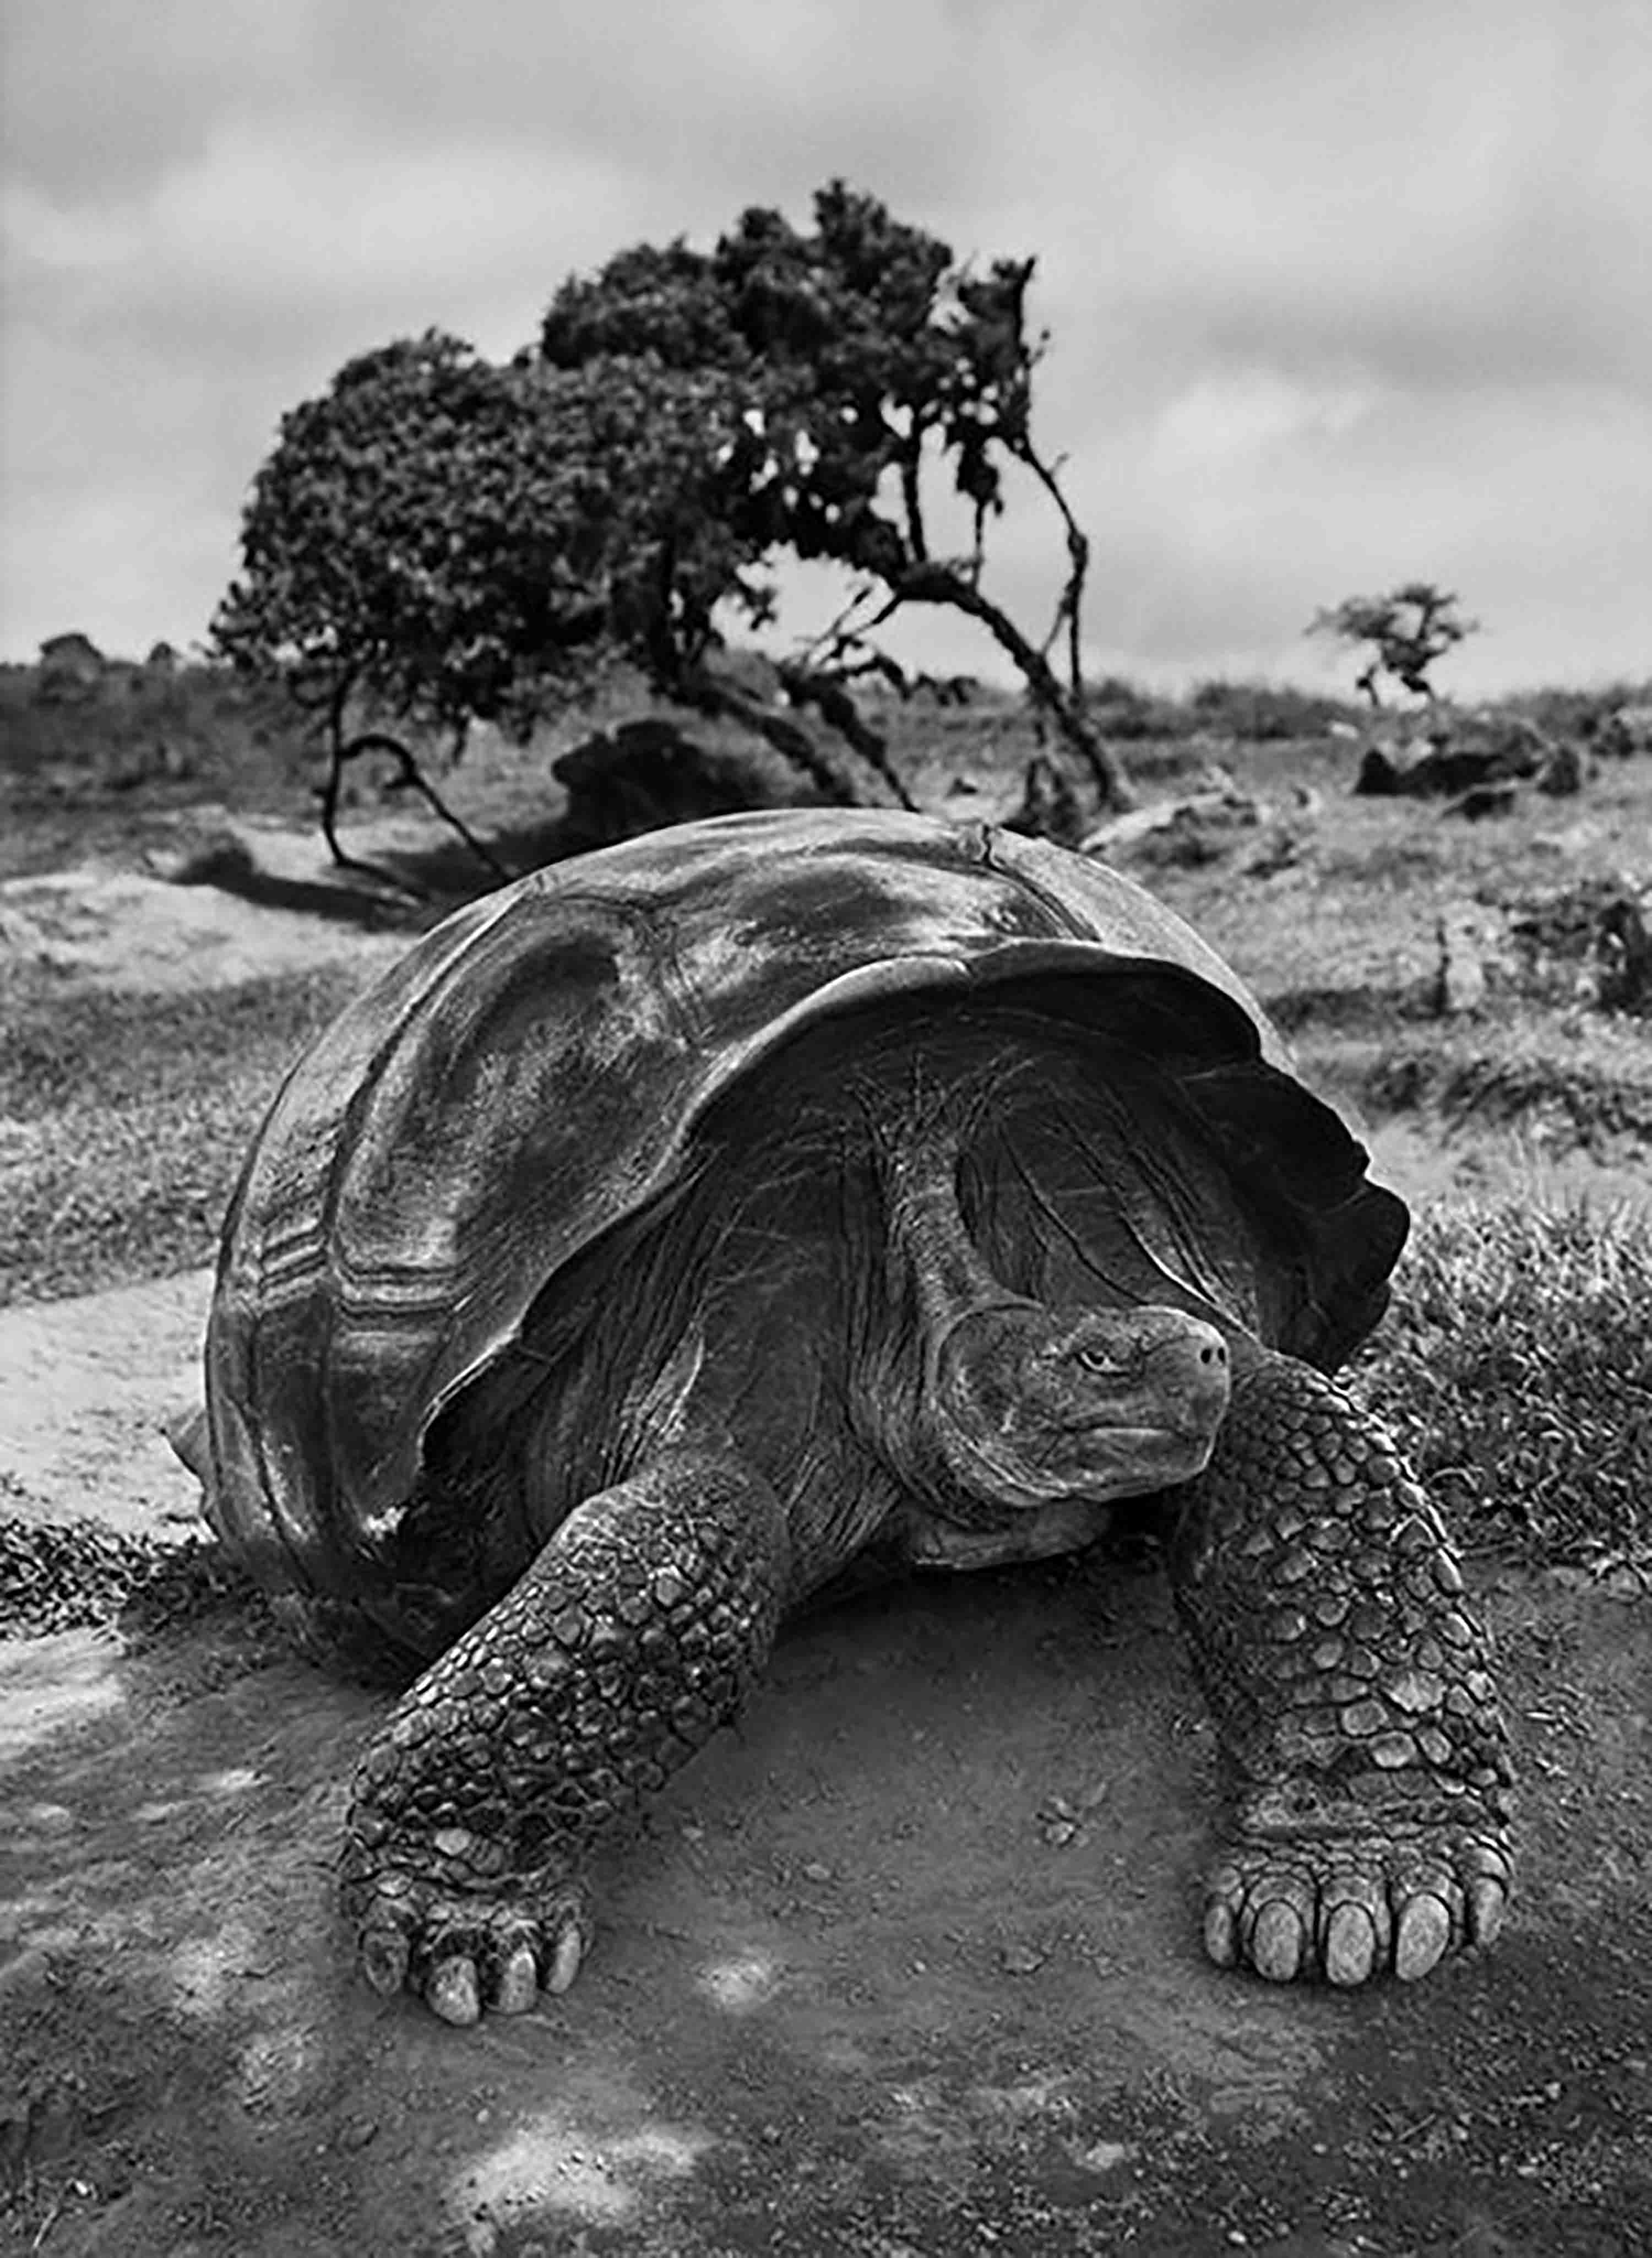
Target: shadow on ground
909,1965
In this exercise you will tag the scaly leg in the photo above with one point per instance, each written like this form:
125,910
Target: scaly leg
630,1639
1351,1688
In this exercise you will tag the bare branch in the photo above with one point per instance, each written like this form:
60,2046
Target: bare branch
942,584
835,705
1070,603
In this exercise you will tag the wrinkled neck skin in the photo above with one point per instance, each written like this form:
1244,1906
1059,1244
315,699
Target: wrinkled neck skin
1023,1406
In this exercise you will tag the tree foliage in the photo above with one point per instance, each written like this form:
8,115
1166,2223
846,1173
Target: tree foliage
1410,628
456,539
871,364
442,541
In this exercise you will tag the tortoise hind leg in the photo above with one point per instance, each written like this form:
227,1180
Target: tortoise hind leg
630,1639
1350,1684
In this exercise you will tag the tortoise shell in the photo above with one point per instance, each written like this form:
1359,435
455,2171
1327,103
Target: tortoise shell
531,1074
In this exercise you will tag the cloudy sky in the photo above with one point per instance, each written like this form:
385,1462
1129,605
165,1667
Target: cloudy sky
1342,292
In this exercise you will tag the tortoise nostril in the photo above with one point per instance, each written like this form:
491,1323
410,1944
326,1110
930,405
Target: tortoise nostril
1216,1354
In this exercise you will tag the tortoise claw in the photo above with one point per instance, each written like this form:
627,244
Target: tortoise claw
454,1993
1488,1902
1424,1938
565,1966
384,1959
518,1986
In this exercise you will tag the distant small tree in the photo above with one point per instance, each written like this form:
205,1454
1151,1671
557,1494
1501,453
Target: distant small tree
1411,628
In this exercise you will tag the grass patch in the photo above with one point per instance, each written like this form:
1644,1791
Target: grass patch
123,1119
1516,1368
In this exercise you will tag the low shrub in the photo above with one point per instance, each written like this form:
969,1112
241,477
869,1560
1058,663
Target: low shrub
1516,1367
1261,712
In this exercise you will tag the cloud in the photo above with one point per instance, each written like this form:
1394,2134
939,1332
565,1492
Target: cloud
1337,295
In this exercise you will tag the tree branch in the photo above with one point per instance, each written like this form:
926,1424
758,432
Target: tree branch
943,584
342,750
835,705
1070,603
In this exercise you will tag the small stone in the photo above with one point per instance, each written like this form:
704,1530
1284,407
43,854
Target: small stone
814,1870
359,2132
1021,1960
1102,2156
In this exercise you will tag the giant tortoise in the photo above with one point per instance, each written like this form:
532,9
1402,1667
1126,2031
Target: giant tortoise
673,1230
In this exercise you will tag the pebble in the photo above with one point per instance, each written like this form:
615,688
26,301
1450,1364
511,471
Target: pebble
1021,1960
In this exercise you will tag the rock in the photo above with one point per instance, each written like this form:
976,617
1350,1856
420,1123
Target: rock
1623,955
1459,976
1021,1960
1483,799
1187,829
1562,772
1382,771
1455,753
647,775
221,858
1624,733
1279,850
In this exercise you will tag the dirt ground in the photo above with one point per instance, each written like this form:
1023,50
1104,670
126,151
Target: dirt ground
908,1966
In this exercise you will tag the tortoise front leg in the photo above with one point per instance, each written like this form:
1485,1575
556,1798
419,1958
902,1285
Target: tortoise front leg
1350,1684
631,1639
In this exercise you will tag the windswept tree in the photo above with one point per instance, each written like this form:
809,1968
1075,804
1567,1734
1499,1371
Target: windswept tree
875,373
1409,629
438,540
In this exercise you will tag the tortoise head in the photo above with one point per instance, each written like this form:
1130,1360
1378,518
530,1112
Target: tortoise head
1030,1404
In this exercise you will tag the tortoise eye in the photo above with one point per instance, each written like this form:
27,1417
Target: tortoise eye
1098,1359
